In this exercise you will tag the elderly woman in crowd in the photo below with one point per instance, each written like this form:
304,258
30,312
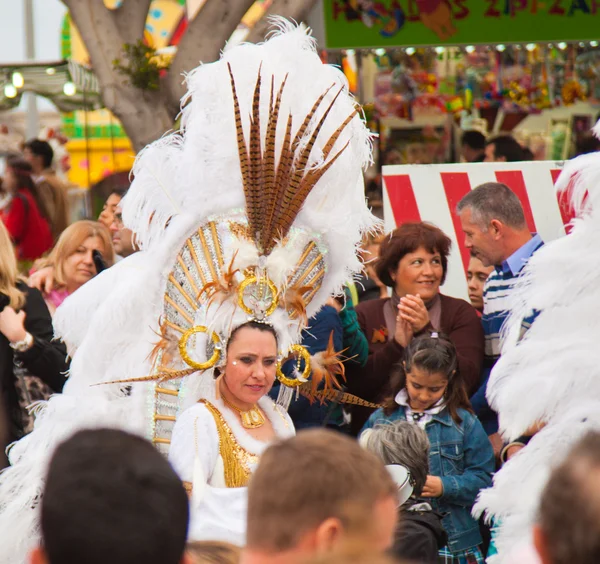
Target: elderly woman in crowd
80,250
26,346
404,448
413,261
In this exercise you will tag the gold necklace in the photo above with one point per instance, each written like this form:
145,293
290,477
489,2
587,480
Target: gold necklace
251,419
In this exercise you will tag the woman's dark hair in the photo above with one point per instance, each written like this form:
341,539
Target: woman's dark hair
23,172
407,239
432,354
265,327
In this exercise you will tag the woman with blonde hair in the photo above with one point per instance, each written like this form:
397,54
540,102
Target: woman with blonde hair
81,249
26,345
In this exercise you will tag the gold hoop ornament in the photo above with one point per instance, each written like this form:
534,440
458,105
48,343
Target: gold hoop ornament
185,355
304,355
261,293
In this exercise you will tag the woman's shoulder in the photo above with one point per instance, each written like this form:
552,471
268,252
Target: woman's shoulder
371,306
379,417
197,414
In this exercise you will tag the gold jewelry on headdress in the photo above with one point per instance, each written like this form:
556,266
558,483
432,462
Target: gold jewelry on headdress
185,355
257,296
304,355
251,419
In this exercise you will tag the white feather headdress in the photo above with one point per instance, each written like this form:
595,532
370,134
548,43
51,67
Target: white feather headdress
254,209
552,375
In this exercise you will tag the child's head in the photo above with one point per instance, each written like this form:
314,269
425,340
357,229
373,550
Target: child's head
429,372
401,443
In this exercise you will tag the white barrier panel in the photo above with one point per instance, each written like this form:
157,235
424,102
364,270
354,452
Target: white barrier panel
431,193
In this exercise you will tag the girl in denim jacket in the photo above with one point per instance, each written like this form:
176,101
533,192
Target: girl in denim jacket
430,393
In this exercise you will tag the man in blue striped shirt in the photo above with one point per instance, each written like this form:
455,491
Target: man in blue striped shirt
496,233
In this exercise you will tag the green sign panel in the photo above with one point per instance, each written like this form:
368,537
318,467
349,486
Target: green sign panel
389,23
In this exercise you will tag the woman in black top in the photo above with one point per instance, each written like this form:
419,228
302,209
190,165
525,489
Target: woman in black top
25,339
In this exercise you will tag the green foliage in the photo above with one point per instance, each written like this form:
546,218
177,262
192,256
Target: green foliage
142,65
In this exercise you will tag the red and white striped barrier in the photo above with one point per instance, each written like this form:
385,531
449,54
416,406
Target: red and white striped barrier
431,193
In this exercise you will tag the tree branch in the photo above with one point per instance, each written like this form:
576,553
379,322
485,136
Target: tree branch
131,18
203,41
98,29
296,10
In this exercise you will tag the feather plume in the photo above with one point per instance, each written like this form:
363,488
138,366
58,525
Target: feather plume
336,396
242,149
284,171
167,345
223,287
293,300
254,199
326,366
270,172
164,376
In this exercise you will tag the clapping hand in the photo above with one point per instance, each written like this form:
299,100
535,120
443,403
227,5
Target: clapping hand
404,331
413,309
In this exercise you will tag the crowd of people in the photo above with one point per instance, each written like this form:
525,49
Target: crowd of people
370,444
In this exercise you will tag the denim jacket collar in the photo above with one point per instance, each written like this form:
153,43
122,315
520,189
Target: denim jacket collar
443,417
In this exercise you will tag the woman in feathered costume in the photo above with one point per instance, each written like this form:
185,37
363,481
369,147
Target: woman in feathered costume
549,379
248,219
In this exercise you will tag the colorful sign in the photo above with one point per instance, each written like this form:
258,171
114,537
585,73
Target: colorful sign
431,193
389,23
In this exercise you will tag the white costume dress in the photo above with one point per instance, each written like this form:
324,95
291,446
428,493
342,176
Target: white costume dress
213,452
252,210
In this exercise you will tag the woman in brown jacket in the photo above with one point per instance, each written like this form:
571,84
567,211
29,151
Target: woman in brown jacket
413,261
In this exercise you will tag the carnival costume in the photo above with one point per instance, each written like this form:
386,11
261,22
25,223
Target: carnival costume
253,210
549,376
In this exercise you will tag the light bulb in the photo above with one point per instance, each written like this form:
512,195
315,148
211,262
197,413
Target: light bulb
470,48
530,46
562,45
501,48
410,50
440,50
51,71
593,44
350,52
380,52
69,89
18,80
10,91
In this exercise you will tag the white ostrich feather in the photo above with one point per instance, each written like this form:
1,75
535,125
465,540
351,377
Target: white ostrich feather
552,374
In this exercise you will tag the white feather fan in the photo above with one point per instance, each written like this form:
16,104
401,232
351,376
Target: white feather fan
552,375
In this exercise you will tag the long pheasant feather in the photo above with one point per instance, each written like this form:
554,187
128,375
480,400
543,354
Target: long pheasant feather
284,170
329,145
270,188
242,149
300,133
292,200
254,205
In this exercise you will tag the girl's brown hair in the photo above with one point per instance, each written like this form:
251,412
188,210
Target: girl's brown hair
71,238
432,354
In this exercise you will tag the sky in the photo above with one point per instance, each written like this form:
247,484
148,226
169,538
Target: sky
47,20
